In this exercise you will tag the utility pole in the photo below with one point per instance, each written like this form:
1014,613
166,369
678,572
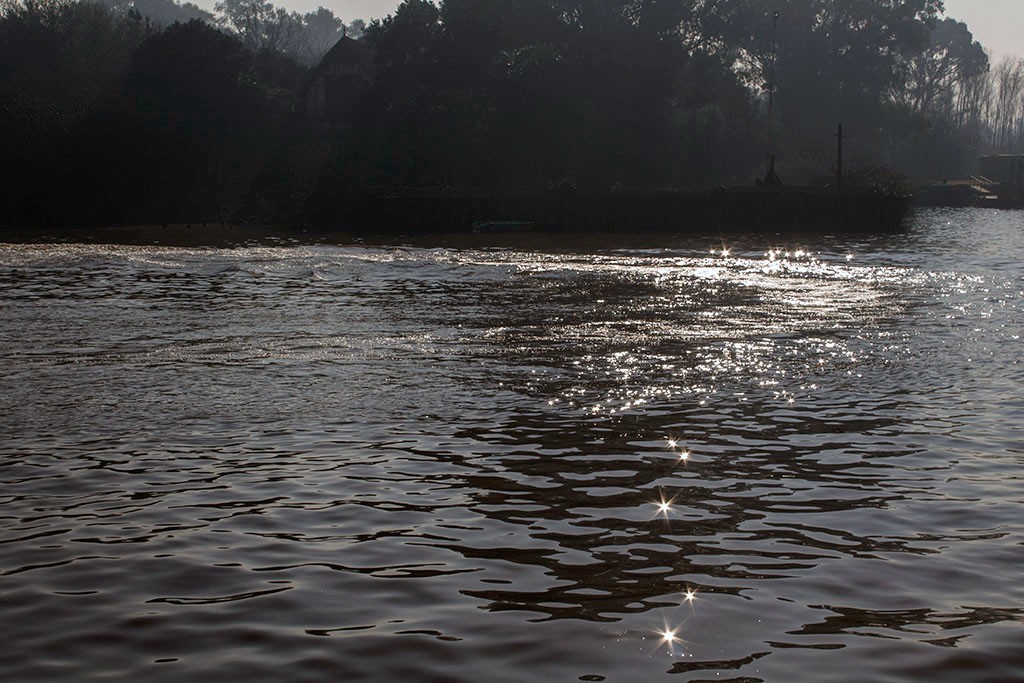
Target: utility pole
771,72
771,95
839,160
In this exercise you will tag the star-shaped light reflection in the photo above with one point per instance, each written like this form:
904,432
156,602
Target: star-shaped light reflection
664,506
668,636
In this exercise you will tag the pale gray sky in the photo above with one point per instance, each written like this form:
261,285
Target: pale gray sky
998,24
343,9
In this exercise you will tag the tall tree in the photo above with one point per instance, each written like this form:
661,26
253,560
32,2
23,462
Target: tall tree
58,57
194,122
260,25
58,60
838,62
1007,109
933,75
320,31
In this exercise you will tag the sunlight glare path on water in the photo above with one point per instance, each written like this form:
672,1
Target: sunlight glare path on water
733,460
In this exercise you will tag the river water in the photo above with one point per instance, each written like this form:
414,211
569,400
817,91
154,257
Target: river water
753,460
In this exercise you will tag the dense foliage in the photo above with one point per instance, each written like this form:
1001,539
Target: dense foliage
155,110
654,93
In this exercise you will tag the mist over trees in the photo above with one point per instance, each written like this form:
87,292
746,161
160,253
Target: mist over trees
158,111
262,26
160,12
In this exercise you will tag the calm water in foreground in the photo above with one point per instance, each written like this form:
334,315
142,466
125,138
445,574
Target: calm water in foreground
345,463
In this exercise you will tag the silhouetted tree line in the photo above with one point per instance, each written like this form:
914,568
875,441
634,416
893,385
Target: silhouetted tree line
107,116
154,110
659,93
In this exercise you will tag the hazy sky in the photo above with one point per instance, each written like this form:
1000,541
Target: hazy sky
345,9
998,24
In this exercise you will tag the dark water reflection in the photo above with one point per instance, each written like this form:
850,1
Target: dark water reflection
322,463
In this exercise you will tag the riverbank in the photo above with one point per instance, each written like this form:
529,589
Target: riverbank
495,216
763,209
171,234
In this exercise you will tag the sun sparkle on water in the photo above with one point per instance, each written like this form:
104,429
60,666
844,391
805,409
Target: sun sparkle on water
664,506
669,637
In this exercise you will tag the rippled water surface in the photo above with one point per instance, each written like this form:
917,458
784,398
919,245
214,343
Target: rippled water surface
788,461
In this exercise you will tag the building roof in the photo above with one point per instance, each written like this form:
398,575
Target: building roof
346,51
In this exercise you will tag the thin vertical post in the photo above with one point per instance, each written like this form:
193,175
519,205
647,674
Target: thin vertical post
771,73
771,90
839,160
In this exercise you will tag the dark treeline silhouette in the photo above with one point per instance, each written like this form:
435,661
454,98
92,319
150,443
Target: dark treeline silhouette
509,93
108,117
158,111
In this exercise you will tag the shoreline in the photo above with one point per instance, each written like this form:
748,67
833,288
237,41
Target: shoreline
169,235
